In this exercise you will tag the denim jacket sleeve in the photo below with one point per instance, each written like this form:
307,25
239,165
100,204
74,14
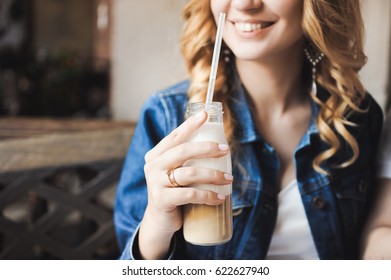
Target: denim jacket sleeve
131,196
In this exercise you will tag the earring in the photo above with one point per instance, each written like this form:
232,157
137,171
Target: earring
314,61
227,54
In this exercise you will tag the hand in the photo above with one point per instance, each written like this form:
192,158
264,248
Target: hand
163,217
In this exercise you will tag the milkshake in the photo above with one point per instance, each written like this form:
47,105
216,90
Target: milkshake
206,224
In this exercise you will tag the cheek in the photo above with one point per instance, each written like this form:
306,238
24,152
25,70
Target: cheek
229,35
295,25
292,13
218,6
291,10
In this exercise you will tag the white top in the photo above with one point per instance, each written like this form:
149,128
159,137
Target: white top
384,160
292,239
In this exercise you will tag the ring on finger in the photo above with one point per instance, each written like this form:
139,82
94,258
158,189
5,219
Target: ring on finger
171,178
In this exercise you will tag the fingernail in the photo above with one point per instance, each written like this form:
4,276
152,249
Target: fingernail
223,147
228,177
221,196
199,115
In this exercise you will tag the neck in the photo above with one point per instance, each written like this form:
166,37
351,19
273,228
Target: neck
276,83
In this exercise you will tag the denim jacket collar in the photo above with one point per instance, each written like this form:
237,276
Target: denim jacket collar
241,110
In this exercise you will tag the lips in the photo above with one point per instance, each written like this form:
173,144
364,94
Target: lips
251,26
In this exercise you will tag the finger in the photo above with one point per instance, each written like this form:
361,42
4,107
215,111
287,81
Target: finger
182,196
185,176
178,155
178,136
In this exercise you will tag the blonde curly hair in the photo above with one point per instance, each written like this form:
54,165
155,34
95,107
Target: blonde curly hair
334,28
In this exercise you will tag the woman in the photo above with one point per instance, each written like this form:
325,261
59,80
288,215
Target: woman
377,237
302,132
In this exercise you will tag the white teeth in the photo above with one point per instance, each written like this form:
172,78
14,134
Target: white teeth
248,27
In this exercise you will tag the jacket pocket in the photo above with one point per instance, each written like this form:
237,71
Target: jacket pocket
242,195
352,192
353,187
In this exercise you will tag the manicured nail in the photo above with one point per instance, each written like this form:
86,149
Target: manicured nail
228,177
221,196
223,147
199,115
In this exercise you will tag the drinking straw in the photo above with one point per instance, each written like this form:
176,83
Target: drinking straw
215,61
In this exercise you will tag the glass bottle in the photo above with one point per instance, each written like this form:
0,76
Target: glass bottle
207,224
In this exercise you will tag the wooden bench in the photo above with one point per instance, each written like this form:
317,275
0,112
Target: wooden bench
57,187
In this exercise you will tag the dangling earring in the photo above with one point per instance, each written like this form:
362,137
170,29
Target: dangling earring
227,54
314,61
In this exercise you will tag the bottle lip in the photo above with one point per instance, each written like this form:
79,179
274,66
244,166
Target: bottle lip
195,107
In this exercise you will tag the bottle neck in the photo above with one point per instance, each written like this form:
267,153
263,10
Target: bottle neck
215,111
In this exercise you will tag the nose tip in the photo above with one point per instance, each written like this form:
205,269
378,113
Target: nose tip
246,4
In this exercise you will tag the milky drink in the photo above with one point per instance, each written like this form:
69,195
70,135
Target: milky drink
205,224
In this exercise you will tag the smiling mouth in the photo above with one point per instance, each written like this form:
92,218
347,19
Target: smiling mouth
251,27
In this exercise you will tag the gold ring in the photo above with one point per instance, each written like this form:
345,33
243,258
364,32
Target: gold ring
171,178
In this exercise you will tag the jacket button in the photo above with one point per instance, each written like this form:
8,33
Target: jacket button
319,202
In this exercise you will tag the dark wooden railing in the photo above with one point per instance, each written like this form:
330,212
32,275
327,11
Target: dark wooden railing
57,186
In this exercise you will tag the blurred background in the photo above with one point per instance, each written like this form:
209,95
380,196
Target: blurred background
89,59
103,58
73,77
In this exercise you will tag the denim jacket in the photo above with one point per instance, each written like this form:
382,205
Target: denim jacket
336,205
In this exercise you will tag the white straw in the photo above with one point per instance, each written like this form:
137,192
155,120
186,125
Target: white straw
215,60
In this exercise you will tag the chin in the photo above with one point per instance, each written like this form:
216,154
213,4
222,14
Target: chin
250,55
